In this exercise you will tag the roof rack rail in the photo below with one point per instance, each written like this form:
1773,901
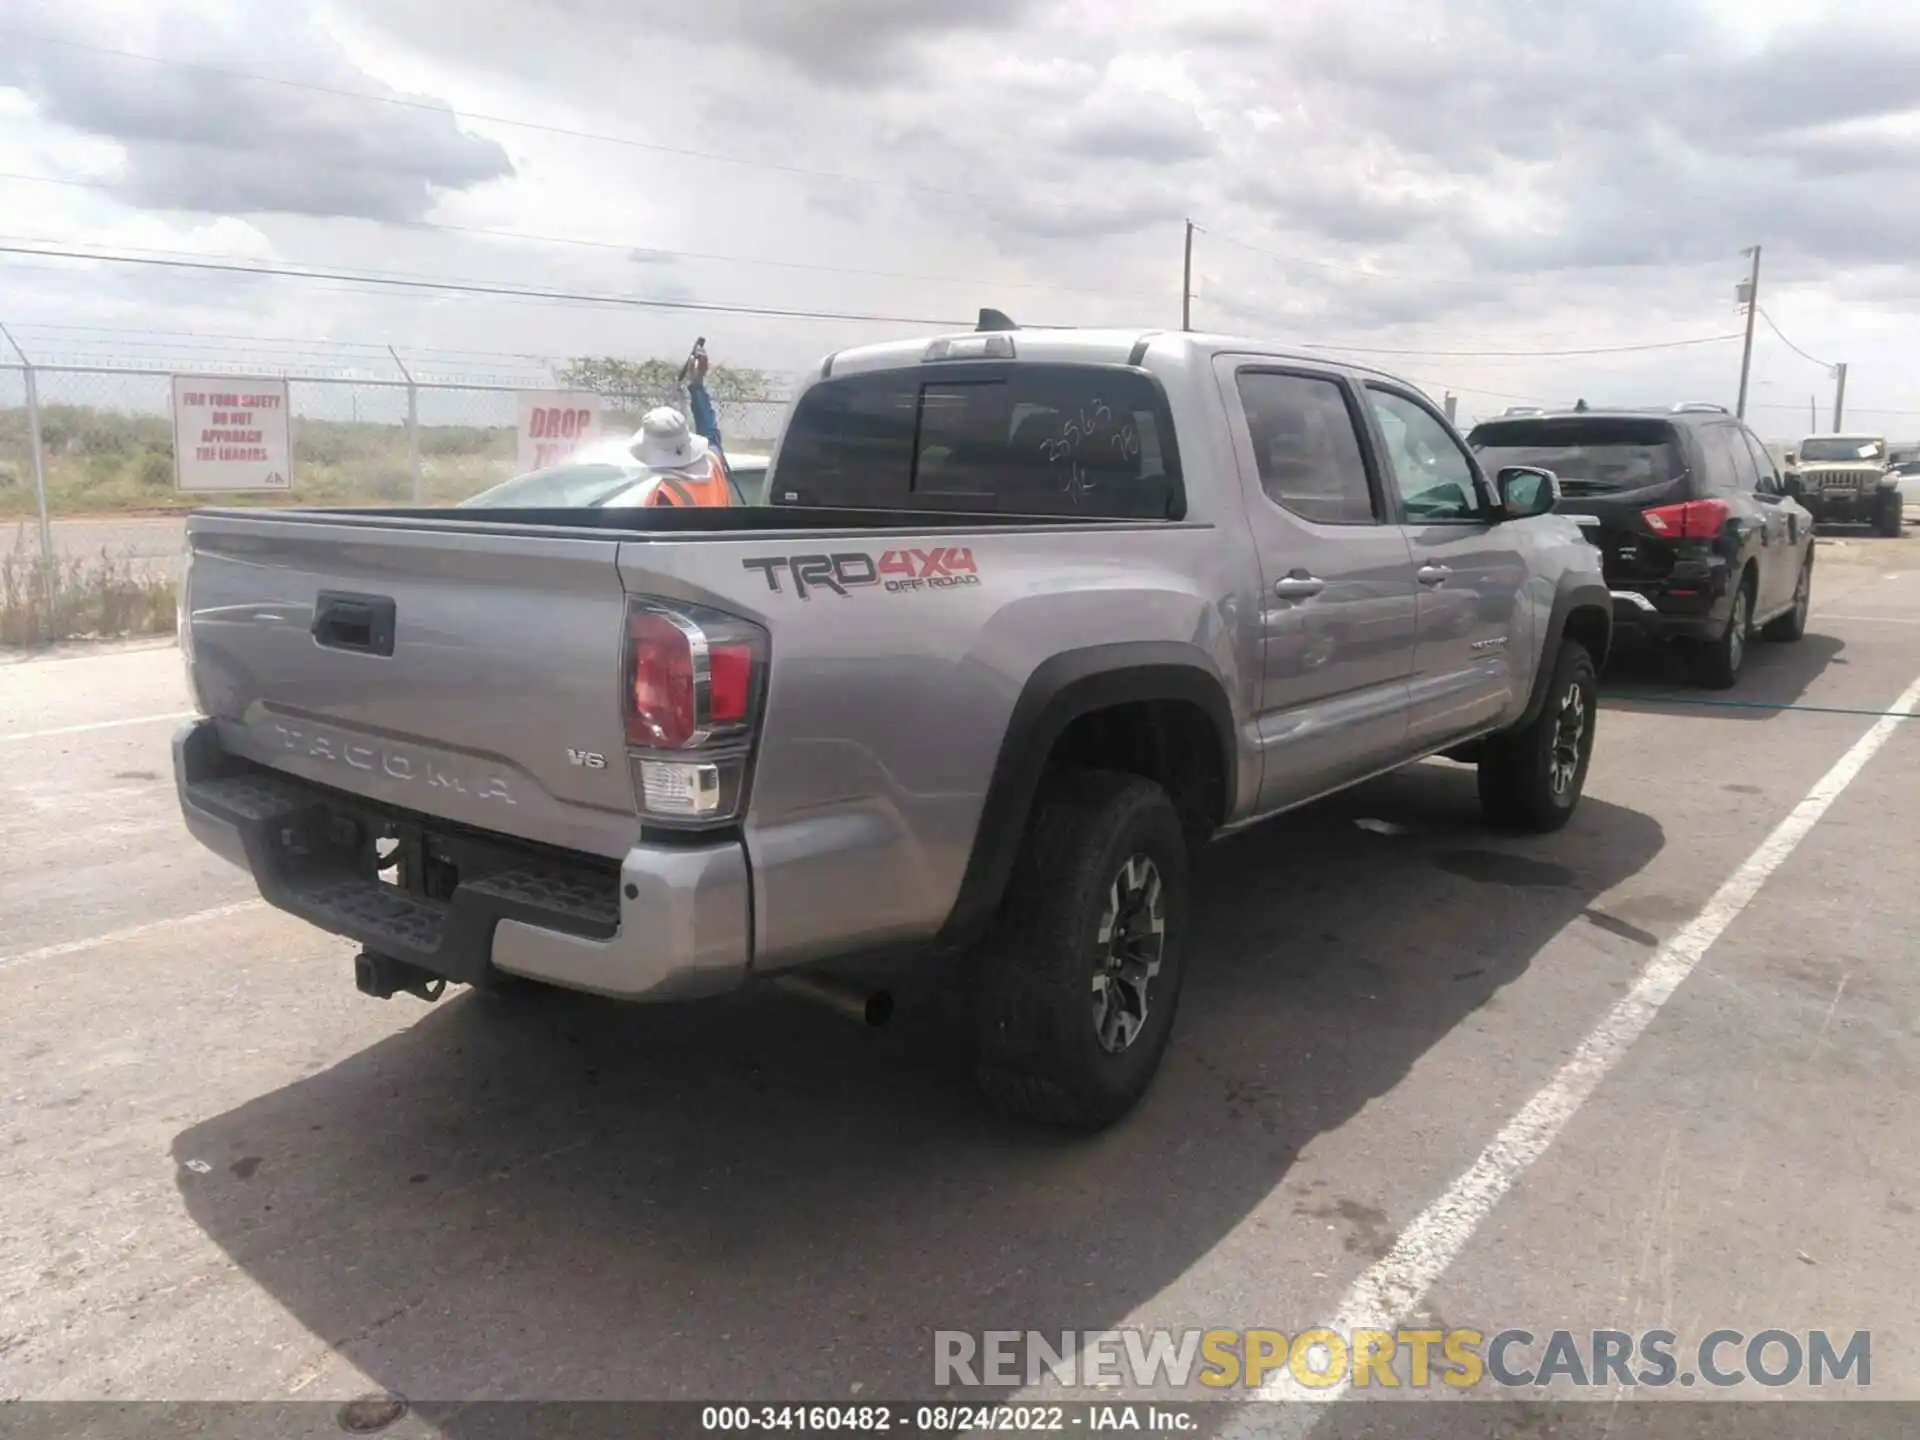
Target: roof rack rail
1688,406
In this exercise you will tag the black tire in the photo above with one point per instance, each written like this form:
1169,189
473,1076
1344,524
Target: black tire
1531,779
1716,664
1887,514
1792,625
1040,1053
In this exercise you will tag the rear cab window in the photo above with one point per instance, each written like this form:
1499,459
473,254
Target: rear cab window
1599,456
988,438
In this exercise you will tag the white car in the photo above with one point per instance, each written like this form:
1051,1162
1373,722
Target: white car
605,472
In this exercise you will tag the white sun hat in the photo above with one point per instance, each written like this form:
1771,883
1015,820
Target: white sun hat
665,441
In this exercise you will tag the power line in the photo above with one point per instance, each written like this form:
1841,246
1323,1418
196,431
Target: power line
1338,346
466,287
1823,364
1404,279
318,342
441,227
1525,354
1323,264
1460,389
1851,409
141,351
444,111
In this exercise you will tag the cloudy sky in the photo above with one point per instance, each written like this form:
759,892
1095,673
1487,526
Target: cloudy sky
1434,178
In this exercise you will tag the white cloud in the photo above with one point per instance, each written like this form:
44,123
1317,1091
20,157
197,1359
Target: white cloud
1468,174
198,137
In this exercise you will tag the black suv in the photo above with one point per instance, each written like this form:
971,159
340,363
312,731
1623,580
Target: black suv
1699,540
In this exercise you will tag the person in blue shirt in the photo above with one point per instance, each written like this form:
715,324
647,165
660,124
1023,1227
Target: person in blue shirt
706,421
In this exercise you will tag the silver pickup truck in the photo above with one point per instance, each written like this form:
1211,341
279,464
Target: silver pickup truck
1028,618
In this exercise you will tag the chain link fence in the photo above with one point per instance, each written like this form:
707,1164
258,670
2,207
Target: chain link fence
106,450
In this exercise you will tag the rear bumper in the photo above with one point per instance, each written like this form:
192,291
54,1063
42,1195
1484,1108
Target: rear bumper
1656,618
666,922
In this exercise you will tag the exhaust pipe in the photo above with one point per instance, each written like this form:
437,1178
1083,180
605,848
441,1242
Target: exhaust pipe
852,1002
383,977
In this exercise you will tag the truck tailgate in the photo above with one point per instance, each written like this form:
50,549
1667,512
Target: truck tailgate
471,677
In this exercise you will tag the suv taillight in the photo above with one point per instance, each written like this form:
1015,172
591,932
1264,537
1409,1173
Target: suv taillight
1695,520
693,687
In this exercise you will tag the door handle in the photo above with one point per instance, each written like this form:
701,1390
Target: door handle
1298,587
360,623
1434,574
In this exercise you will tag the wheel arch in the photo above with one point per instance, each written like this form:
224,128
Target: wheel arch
1582,610
1154,708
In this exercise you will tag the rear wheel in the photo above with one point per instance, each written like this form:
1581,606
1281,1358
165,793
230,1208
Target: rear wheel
1717,664
1532,779
1077,982
1793,624
1887,514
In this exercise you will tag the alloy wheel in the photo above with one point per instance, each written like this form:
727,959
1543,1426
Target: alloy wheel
1569,734
1130,945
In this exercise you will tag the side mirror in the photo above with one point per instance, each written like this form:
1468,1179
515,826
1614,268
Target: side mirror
1526,491
1769,485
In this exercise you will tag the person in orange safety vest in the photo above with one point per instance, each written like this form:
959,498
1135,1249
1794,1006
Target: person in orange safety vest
687,471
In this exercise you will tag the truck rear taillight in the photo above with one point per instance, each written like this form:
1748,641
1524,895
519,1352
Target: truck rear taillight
694,680
1694,520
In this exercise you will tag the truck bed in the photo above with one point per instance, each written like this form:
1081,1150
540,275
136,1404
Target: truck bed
496,704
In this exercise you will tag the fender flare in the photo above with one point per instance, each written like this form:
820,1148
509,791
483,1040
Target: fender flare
1061,690
1571,594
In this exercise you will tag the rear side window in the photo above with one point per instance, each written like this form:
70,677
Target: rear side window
849,443
1307,446
1729,463
1006,439
1762,462
1591,457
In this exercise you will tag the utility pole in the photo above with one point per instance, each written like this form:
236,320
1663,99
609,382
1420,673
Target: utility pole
1749,292
1186,283
1813,414
1452,403
1839,395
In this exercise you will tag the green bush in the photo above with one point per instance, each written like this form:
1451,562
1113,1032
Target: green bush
156,470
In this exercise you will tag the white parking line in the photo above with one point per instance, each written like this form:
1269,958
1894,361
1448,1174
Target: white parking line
1391,1289
132,932
96,725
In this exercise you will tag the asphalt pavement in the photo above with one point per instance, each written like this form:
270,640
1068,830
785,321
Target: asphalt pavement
228,1175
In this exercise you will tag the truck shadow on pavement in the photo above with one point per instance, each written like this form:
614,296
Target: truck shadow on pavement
572,1199
1653,679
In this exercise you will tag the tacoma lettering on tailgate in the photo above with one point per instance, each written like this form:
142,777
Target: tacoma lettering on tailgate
390,761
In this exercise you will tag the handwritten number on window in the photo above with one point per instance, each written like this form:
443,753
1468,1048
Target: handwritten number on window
1091,428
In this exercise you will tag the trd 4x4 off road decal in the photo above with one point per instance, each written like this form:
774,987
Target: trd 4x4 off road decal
898,571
